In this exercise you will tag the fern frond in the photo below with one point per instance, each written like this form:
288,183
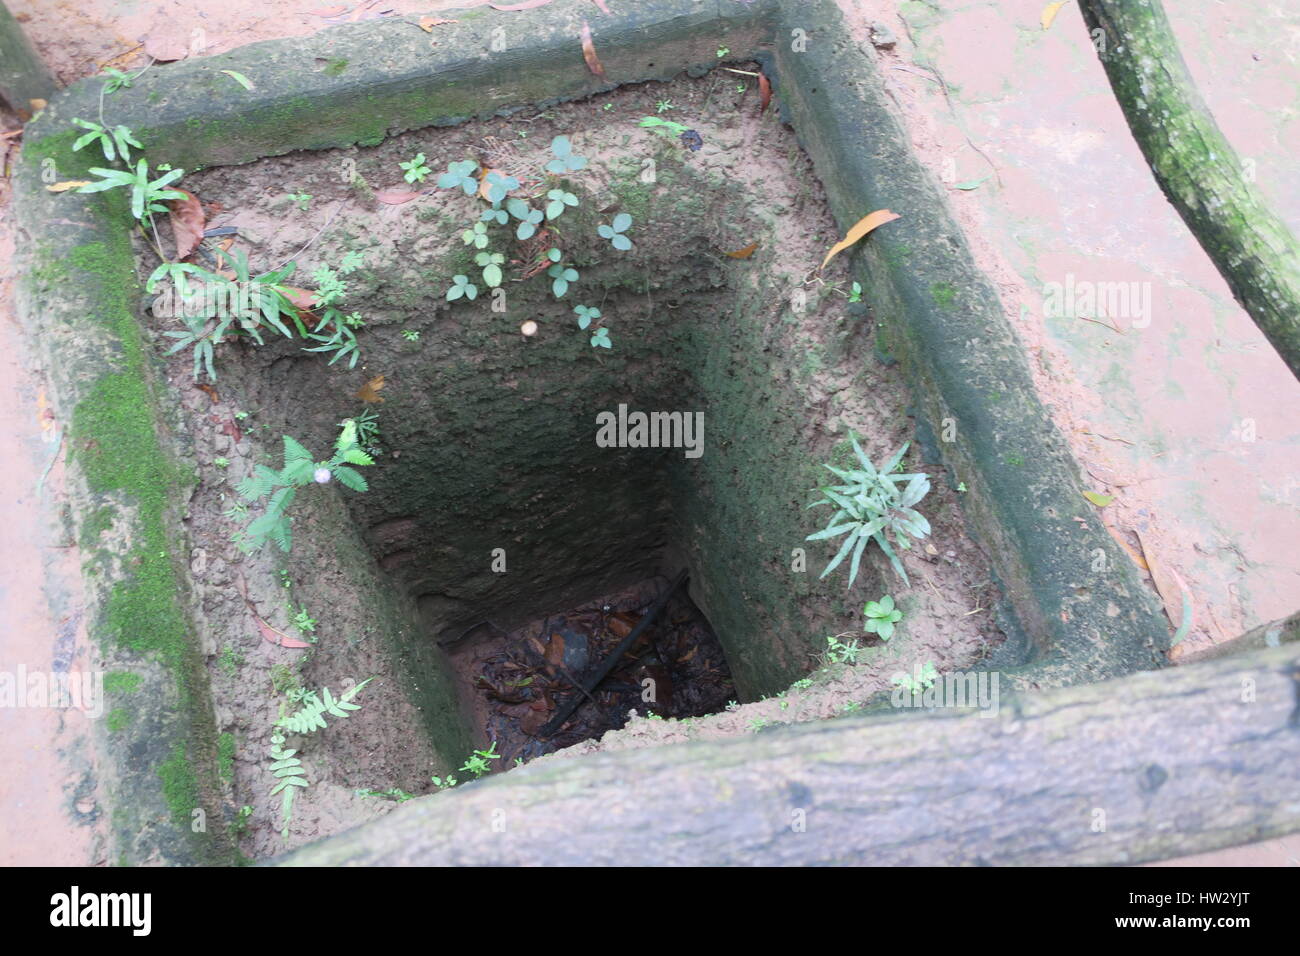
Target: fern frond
350,478
294,451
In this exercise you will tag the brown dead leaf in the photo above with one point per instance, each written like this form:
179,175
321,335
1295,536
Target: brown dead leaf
1049,13
302,299
689,654
1173,593
428,23
621,624
395,197
274,635
534,722
1140,561
864,225
209,391
555,650
512,7
119,60
765,89
167,41
589,52
187,223
37,104
483,184
68,184
369,392
744,253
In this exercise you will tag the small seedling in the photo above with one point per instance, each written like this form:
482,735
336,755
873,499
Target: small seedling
881,616
476,236
241,415
461,286
566,160
415,170
557,200
663,125
115,80
529,218
444,783
304,622
230,661
491,263
586,316
722,51
600,339
392,793
663,106
302,199
562,277
614,233
460,175
477,763
842,653
221,462
855,292
498,185
922,682
411,335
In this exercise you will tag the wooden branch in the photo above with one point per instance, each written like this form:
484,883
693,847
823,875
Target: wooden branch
1146,767
1196,167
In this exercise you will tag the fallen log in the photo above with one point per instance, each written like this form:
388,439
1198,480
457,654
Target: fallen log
1146,767
1196,167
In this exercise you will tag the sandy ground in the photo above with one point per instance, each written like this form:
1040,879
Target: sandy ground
1183,413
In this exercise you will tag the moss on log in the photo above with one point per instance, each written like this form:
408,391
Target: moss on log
1146,767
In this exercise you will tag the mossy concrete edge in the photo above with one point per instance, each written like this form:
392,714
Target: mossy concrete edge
76,297
1074,593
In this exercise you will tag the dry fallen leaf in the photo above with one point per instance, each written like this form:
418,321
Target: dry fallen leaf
744,253
65,186
864,226
589,52
428,23
187,223
208,390
555,650
167,42
1140,561
369,392
37,104
302,299
765,88
483,184
1050,11
1173,592
275,636
395,197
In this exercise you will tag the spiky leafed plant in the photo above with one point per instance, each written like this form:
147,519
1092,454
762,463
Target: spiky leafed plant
871,506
